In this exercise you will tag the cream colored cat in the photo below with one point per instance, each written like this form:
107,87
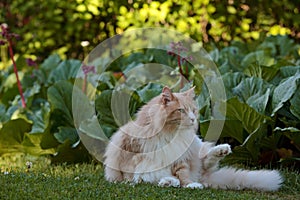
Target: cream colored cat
161,147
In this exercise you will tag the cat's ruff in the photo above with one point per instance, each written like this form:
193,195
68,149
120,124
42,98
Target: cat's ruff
161,147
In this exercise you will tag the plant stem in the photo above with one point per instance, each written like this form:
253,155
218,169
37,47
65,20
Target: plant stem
11,53
180,71
179,65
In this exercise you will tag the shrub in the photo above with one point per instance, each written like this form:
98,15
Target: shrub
261,82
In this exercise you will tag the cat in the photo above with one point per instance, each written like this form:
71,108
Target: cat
161,147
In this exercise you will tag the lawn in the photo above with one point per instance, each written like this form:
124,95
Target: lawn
86,181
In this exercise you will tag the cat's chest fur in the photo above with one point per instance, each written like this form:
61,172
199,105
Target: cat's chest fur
161,152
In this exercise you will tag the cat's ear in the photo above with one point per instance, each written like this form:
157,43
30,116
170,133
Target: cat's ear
167,95
190,93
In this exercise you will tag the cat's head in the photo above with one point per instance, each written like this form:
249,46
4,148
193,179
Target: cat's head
180,108
169,112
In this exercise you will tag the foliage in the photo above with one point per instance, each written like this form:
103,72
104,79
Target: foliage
262,84
45,126
261,80
62,26
32,178
8,40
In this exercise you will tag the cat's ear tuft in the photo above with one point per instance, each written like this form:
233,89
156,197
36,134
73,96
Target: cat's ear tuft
190,93
167,95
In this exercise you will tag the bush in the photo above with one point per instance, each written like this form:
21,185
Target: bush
61,26
262,88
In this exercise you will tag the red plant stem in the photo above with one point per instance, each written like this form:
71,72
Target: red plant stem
186,70
179,64
11,53
180,71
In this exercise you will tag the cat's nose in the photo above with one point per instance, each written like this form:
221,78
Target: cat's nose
192,117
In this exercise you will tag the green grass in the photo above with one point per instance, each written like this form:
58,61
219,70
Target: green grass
86,181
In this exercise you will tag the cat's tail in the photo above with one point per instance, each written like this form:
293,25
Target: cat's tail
231,178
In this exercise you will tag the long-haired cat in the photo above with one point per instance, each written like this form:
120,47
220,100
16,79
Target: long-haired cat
161,147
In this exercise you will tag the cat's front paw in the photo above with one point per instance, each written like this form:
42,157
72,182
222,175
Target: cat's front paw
194,185
221,150
169,182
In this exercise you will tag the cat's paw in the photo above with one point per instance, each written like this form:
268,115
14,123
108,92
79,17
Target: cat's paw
136,179
169,182
221,150
194,185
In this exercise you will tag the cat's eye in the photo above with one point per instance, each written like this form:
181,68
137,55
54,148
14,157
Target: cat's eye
181,110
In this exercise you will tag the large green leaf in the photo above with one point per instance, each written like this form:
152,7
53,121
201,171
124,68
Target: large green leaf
295,103
48,140
30,93
284,45
234,128
66,70
211,130
255,92
257,57
69,148
105,114
51,62
9,88
242,123
3,116
198,81
203,101
232,56
60,99
41,119
106,81
12,135
253,142
284,91
269,47
67,154
67,133
29,96
15,137
115,108
149,91
239,155
265,72
62,123
82,105
93,137
250,119
230,81
288,71
231,128
285,71
92,128
32,144
249,151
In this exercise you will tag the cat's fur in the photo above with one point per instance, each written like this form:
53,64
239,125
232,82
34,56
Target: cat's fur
161,147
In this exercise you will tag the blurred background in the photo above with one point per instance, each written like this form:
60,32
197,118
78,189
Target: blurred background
72,28
254,43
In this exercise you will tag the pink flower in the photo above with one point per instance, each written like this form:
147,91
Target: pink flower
178,48
87,69
30,62
6,34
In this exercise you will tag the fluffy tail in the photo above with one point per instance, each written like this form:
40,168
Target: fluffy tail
230,178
